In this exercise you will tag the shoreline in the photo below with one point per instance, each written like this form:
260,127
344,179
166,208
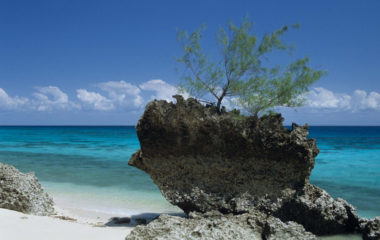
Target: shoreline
88,218
76,223
96,219
98,206
64,225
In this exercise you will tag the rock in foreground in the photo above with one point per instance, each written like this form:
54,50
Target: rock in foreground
318,212
204,161
22,192
370,228
213,225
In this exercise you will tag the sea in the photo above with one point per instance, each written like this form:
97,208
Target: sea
87,167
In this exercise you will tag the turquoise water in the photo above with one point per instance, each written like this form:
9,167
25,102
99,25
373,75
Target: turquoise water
348,165
86,167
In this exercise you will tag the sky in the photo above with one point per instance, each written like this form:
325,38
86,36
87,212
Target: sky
99,62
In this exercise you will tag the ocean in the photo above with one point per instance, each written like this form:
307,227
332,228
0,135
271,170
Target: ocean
86,167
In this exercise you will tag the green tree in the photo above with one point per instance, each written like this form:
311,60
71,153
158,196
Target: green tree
242,71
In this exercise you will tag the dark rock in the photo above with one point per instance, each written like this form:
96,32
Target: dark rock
119,220
370,228
213,225
319,213
204,161
22,192
140,221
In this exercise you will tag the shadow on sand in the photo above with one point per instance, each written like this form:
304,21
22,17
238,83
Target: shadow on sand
139,219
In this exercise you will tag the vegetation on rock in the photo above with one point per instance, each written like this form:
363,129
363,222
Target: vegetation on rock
242,72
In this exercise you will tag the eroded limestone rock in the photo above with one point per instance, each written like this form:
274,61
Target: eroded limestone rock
214,225
319,213
370,228
204,161
22,192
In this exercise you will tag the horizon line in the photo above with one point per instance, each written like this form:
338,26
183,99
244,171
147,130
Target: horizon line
285,125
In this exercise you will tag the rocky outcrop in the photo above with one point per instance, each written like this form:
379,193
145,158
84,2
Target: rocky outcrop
370,228
318,212
22,192
204,161
213,225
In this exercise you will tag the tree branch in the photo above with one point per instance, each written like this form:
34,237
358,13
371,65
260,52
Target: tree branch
190,66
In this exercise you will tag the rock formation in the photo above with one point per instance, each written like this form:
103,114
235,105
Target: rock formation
318,212
204,161
213,225
370,228
22,192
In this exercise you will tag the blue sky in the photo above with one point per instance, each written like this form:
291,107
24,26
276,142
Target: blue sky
99,62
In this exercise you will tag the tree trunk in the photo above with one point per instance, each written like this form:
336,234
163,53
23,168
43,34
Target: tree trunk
219,104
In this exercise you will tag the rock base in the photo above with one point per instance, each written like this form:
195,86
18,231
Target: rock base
214,225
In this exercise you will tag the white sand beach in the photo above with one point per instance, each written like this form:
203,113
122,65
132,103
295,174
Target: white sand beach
18,226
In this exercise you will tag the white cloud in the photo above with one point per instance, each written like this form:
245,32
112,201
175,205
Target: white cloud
162,89
362,100
94,100
122,93
9,103
51,97
124,96
321,98
116,95
47,98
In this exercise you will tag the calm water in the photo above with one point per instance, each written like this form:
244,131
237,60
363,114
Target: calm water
87,166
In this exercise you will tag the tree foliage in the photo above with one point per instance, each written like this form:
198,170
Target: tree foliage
243,72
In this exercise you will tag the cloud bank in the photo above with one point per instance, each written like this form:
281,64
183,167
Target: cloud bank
50,98
107,96
94,100
125,96
11,103
321,98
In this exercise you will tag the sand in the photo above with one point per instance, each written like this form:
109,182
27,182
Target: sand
87,225
18,226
